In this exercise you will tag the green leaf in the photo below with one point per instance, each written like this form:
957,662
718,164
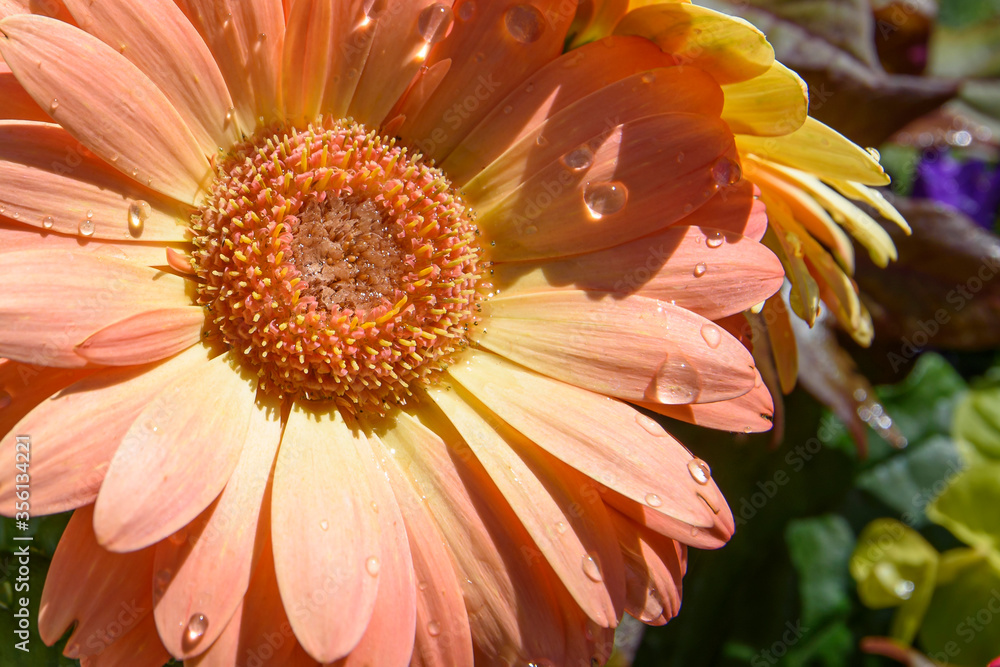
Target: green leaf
977,420
969,508
962,623
895,567
820,549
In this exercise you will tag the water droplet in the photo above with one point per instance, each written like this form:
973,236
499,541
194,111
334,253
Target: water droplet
875,156
375,507
524,23
90,214
16,215
700,269
712,335
195,629
178,537
229,114
507,109
648,77
5,400
372,565
592,569
726,172
578,159
262,37
422,585
433,628
87,228
138,213
715,239
161,581
324,524
54,104
904,589
467,10
531,229
653,500
605,198
700,471
649,424
434,22
560,527
374,8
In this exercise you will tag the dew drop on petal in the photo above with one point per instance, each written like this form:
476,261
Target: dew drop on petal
507,109
726,172
875,156
648,77
605,198
592,569
467,10
578,159
700,471
904,589
649,425
5,400
653,500
715,239
373,565
712,335
434,22
54,104
87,227
560,527
700,269
161,581
324,524
434,628
422,585
524,23
138,213
195,629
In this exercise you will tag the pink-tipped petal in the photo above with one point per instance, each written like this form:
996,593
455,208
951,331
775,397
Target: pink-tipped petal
247,38
92,586
502,36
651,172
743,272
139,646
156,37
568,80
127,120
54,300
604,439
69,464
630,347
654,568
52,182
148,336
443,637
325,531
208,573
562,512
507,584
176,457
752,412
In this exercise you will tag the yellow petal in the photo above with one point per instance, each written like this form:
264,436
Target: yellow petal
773,104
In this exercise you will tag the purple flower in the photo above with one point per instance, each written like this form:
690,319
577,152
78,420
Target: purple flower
970,185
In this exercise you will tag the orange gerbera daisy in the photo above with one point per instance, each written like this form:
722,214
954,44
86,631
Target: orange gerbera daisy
330,320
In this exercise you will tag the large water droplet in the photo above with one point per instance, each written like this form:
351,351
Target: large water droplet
434,22
605,198
433,628
524,23
700,471
715,239
87,227
592,569
373,565
578,159
676,382
653,500
195,629
700,269
138,213
726,172
712,335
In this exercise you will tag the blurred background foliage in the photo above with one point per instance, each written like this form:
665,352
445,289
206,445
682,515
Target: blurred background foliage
869,520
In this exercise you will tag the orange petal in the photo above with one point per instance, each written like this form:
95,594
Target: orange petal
505,37
148,336
326,534
563,513
309,47
18,104
571,79
743,272
52,8
633,348
247,38
209,572
156,37
22,387
442,634
16,238
643,176
784,347
139,646
53,182
393,61
750,413
70,464
92,586
53,300
704,537
604,439
508,586
728,48
654,567
352,37
129,123
164,475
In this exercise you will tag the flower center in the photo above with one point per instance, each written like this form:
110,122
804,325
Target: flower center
336,264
